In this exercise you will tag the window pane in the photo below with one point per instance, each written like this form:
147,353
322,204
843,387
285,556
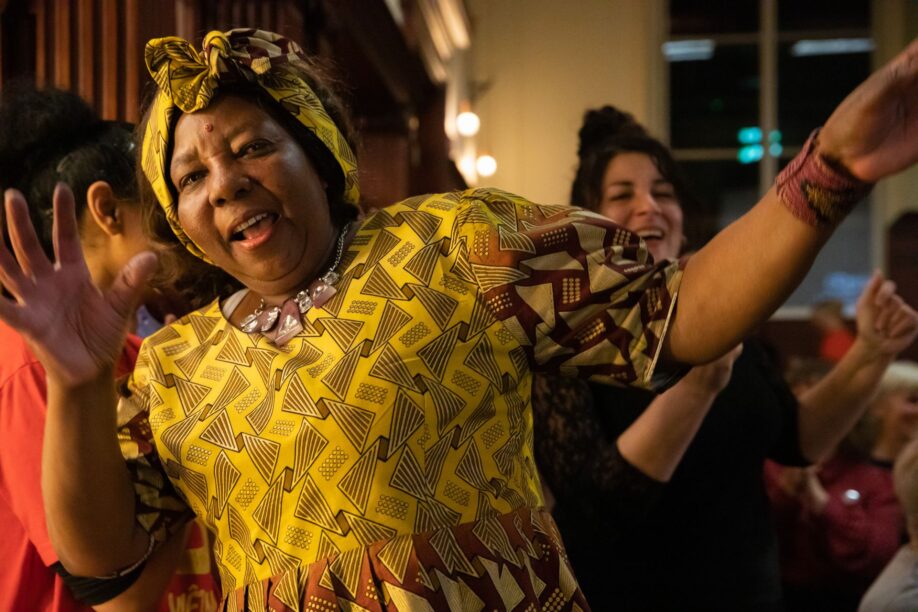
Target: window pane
710,100
713,17
811,86
724,190
823,14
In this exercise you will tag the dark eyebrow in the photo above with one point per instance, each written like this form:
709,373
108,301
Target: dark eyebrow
189,157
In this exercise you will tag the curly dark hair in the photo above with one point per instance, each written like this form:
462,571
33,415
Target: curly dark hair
607,132
48,136
199,282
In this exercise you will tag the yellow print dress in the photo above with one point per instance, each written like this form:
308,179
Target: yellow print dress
383,459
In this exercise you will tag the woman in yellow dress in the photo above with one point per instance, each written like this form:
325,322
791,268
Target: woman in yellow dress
349,411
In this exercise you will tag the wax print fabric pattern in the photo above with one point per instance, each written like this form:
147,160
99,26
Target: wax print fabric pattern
384,456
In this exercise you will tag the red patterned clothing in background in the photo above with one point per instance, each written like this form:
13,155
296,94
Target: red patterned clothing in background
829,560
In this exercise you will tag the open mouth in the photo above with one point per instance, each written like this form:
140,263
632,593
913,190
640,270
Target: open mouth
254,227
650,235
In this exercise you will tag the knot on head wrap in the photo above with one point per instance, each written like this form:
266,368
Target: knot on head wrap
188,81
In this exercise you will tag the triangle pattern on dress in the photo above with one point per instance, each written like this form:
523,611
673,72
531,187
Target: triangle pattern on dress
326,548
482,415
389,366
407,416
378,220
307,448
312,507
355,422
308,355
191,360
369,532
444,543
233,388
424,224
342,331
346,568
491,533
481,319
408,476
515,241
262,360
471,469
220,432
380,284
263,453
437,353
175,435
268,513
203,325
261,415
339,378
196,483
481,359
298,401
190,394
462,267
492,277
232,351
384,243
434,459
393,319
424,262
446,403
358,481
439,305
395,555
225,478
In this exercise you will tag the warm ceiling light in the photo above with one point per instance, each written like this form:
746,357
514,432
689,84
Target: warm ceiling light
467,123
486,165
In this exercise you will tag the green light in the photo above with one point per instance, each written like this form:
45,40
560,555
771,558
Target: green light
774,136
750,154
749,135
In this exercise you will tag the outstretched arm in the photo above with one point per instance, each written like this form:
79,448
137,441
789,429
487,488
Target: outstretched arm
750,268
656,442
885,327
77,333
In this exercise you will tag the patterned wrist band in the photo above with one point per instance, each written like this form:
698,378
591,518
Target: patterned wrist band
817,192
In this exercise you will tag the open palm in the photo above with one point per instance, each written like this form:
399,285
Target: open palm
73,328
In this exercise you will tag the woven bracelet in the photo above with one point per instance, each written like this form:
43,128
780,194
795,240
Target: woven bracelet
816,191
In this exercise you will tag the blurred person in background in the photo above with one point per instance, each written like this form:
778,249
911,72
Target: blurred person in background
46,137
660,499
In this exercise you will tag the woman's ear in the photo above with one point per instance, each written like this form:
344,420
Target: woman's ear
103,206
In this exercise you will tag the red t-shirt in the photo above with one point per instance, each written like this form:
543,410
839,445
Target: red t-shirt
26,554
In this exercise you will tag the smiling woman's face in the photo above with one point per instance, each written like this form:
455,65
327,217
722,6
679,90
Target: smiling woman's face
250,198
636,196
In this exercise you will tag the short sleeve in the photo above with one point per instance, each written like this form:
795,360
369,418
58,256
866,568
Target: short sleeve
581,294
160,508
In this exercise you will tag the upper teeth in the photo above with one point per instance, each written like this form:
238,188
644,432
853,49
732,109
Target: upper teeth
250,222
650,234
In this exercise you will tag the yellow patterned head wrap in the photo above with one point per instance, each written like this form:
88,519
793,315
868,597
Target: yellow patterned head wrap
188,81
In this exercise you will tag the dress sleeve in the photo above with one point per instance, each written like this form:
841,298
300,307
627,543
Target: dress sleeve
161,510
581,295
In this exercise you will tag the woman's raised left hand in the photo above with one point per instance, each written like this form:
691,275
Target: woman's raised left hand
886,325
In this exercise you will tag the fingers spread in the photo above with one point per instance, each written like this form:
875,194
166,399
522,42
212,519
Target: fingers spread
128,287
26,246
65,231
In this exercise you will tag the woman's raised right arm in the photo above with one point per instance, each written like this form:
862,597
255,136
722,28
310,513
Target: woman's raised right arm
77,333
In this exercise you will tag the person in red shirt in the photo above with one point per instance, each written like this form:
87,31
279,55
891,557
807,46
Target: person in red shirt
839,523
836,337
48,137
